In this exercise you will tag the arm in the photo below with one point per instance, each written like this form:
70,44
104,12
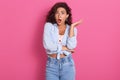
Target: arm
47,40
72,38
72,42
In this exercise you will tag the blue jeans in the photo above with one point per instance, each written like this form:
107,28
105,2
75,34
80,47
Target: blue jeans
62,69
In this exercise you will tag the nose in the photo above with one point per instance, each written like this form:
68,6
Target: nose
59,15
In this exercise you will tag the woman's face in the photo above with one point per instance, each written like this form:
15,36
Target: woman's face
60,16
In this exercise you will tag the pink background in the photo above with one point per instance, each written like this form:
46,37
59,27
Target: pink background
22,56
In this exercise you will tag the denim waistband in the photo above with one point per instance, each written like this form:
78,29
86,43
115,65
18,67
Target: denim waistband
61,60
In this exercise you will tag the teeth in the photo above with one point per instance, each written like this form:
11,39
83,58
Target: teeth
59,20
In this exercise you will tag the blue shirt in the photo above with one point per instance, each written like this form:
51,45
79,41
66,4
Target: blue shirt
51,39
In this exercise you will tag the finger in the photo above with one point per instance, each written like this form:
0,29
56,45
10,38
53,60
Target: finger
80,21
72,51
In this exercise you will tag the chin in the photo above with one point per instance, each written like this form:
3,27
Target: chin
59,23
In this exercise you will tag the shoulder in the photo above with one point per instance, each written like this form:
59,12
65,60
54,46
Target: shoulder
48,25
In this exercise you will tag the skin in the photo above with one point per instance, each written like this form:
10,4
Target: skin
60,16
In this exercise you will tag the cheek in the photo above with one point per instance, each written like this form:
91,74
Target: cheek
64,18
56,17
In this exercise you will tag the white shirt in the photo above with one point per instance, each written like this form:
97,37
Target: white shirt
51,39
60,39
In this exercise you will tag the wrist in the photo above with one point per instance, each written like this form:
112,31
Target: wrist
71,27
64,48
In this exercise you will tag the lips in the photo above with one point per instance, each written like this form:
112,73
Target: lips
59,20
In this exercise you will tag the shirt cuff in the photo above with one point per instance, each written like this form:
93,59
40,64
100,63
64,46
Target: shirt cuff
71,38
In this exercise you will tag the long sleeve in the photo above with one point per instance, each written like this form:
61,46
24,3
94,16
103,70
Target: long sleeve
72,41
48,42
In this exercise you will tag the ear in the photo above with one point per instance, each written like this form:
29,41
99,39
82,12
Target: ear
67,16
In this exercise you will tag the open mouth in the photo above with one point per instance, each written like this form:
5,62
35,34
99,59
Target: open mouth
59,20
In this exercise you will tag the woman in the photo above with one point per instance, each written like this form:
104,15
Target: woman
59,40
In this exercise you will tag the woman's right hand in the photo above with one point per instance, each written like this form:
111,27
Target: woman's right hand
65,48
71,50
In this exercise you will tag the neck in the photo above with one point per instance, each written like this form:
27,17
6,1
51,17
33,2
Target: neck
62,25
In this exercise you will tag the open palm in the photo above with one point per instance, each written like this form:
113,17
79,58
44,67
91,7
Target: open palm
76,23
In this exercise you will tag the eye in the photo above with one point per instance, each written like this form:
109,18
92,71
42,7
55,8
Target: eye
62,12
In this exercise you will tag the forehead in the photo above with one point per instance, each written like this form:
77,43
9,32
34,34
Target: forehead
61,9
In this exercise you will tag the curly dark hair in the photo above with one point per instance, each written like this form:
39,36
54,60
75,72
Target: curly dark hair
51,14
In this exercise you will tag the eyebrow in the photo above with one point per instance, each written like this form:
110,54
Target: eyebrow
61,11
